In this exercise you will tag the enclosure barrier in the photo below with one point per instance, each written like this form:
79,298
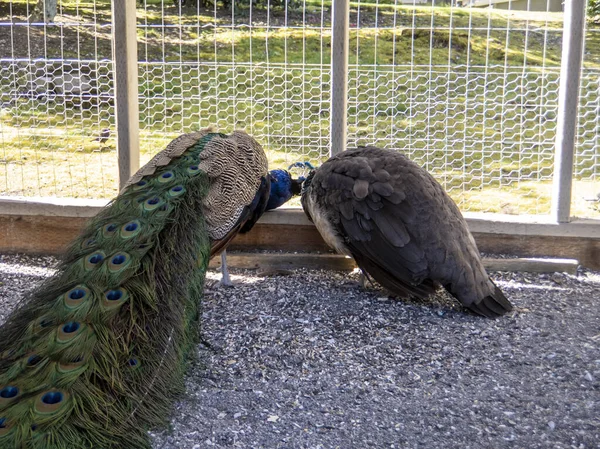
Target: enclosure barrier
356,96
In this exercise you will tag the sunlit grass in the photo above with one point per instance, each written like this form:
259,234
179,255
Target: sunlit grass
47,148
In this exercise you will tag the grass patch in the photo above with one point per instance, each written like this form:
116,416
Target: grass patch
470,94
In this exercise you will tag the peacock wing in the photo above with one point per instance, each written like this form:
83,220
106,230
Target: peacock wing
237,168
248,218
374,214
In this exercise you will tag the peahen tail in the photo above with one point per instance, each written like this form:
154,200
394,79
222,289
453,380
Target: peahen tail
93,357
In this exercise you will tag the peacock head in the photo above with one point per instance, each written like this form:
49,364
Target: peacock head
284,186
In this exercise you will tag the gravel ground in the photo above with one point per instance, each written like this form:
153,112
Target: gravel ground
309,360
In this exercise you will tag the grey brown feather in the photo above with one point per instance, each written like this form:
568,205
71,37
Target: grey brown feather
400,226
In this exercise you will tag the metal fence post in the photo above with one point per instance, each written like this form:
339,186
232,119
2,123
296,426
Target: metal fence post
568,101
340,37
126,87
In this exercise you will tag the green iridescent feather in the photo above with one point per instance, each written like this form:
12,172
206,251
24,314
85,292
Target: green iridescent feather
94,357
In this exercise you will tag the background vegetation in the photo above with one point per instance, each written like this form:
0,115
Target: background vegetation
470,94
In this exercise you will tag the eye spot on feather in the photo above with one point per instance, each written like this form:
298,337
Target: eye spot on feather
176,191
5,426
76,294
140,185
9,392
114,298
144,246
50,401
70,331
153,203
52,398
130,229
109,230
193,169
166,177
94,260
89,243
33,360
71,365
133,363
70,327
114,295
118,260
43,323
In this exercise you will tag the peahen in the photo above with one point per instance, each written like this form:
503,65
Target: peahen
93,357
400,226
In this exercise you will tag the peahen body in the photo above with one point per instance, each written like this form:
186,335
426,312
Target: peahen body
93,357
400,226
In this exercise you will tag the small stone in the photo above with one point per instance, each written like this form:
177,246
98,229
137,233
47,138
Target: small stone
588,376
383,298
221,415
237,415
557,278
551,425
273,418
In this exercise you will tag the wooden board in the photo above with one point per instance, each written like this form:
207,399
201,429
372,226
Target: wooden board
274,262
37,234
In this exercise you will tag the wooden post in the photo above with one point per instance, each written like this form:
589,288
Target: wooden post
339,75
568,101
126,87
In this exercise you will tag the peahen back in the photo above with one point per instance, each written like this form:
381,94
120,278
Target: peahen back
93,357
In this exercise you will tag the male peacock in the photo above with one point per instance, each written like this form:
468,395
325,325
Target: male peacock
92,358
400,227
283,188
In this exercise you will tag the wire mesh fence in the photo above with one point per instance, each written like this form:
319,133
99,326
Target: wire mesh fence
469,93
259,67
57,102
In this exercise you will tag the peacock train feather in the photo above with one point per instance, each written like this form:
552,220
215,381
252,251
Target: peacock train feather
94,357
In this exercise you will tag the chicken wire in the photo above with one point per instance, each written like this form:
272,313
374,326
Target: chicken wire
469,93
263,68
57,102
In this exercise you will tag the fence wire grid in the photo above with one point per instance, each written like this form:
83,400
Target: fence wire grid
469,93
